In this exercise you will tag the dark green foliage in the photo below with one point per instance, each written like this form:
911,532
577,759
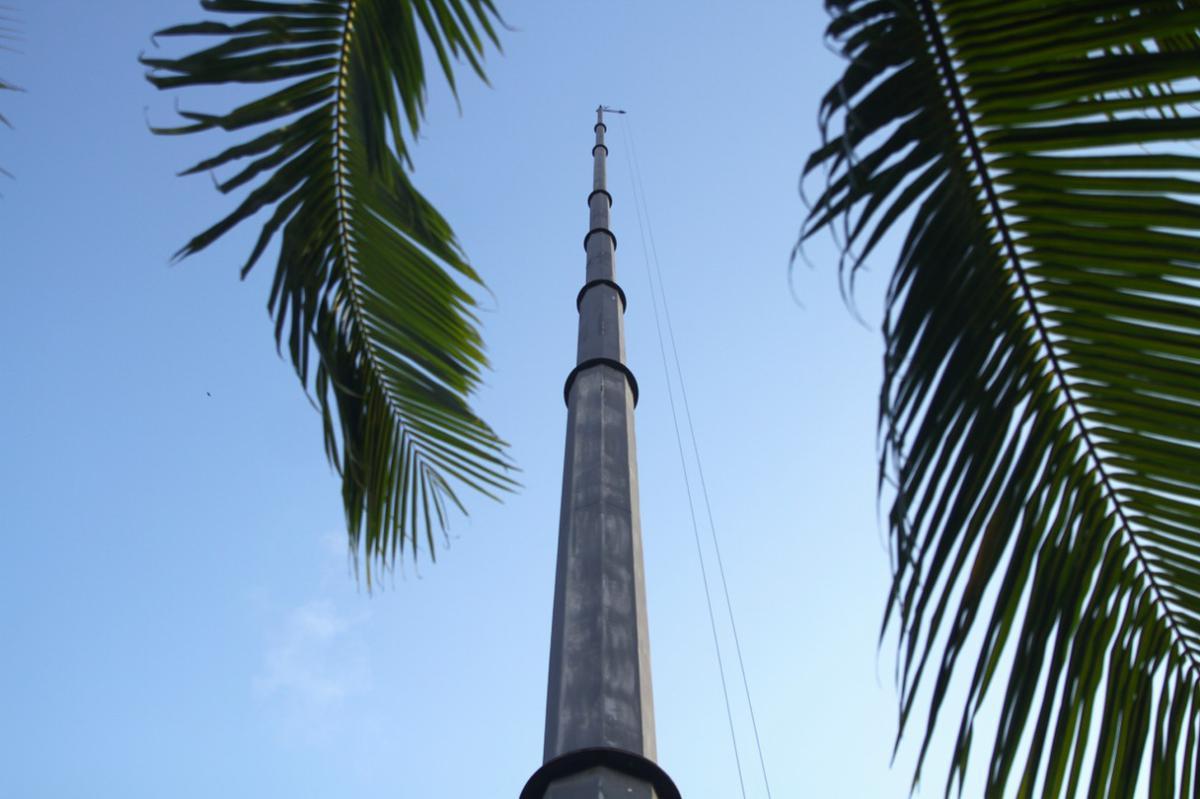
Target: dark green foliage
1040,412
368,295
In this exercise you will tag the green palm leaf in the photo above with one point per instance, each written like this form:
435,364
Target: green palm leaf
369,278
1040,411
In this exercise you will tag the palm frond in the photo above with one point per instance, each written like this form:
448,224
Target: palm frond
1040,410
369,275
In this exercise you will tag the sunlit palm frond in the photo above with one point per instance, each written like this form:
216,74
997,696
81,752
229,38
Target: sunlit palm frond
369,275
1040,412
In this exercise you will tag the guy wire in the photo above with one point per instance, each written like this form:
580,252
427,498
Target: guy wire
712,620
642,207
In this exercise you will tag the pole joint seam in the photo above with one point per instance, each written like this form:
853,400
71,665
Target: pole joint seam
622,761
612,363
599,230
591,284
600,191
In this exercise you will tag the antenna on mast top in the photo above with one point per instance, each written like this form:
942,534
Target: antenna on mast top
600,109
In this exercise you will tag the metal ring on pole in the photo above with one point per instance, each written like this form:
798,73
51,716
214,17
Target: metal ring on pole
602,144
599,191
600,125
609,362
622,761
591,284
599,230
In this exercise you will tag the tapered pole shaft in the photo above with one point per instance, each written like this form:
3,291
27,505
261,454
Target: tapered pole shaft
599,709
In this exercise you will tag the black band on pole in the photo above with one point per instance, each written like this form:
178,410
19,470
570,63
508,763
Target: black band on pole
605,146
619,760
600,125
599,191
609,362
591,284
599,230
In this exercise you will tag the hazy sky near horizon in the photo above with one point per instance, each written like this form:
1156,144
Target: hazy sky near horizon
178,613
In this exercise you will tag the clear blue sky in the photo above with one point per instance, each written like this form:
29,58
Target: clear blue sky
176,608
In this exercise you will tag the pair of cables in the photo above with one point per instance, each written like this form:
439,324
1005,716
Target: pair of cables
658,296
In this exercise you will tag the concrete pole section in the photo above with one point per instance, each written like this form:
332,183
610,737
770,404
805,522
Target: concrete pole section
600,709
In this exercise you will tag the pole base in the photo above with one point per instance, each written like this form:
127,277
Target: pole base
623,762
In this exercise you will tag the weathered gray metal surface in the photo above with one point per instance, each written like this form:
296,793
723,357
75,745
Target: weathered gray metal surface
599,686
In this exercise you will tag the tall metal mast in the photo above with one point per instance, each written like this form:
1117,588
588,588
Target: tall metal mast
599,708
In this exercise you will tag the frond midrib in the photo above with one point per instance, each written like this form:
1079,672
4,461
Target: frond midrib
945,65
342,192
